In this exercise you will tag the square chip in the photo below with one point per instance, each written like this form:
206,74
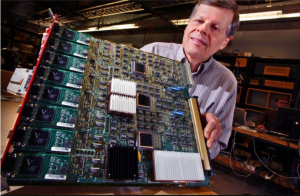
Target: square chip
143,101
60,60
45,114
68,34
31,166
65,46
51,94
145,140
56,76
38,138
138,68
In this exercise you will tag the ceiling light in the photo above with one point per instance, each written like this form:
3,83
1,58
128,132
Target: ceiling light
114,27
252,16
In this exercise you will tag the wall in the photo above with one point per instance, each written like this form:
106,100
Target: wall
272,43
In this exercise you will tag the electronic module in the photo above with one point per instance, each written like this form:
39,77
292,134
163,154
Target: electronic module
99,112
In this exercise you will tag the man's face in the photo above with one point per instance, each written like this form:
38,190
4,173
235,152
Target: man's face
281,103
205,33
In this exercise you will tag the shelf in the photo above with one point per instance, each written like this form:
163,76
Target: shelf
26,43
269,88
285,78
28,53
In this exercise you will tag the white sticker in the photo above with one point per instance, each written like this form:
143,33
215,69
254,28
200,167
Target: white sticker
75,69
82,42
80,55
73,85
70,104
60,124
60,149
55,177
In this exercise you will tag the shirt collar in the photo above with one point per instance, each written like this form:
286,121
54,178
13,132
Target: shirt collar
201,68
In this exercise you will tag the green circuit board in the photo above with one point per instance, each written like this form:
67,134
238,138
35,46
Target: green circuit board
37,139
45,93
71,35
67,47
130,104
48,115
63,61
40,167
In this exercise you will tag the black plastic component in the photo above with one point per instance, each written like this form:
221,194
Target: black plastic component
122,162
27,112
68,34
56,76
51,94
40,73
38,138
64,46
34,91
31,166
45,114
60,60
145,140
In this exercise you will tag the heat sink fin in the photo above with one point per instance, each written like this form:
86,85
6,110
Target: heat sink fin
177,166
122,162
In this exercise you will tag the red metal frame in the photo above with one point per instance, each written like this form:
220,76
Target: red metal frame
27,92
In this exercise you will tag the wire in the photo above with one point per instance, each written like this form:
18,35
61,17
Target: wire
270,168
235,159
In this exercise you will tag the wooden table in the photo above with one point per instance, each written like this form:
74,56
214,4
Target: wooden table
268,138
109,190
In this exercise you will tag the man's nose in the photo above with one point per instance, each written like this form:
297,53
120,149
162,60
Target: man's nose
203,28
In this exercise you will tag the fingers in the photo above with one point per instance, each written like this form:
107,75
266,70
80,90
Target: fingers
213,129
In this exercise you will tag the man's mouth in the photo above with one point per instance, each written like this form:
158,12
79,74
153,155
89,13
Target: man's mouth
198,41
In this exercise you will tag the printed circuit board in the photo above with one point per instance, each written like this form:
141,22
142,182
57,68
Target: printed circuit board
101,112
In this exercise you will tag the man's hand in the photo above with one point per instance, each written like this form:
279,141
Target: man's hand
213,129
260,127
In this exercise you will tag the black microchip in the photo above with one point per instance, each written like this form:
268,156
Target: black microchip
31,166
146,140
72,120
38,138
34,91
113,128
76,99
46,56
60,60
143,100
68,34
140,68
40,73
63,169
79,82
65,46
51,94
45,114
19,135
27,112
68,143
56,76
99,124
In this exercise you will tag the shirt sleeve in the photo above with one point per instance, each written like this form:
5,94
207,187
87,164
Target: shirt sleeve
261,120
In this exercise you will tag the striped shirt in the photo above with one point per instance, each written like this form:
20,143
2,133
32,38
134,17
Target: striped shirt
214,83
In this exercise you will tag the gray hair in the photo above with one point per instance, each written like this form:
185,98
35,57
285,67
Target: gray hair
228,4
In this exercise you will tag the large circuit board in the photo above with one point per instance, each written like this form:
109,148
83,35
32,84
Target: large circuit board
104,113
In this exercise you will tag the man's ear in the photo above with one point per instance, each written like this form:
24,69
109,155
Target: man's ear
225,42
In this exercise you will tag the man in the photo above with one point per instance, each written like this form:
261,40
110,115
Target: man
266,121
212,25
